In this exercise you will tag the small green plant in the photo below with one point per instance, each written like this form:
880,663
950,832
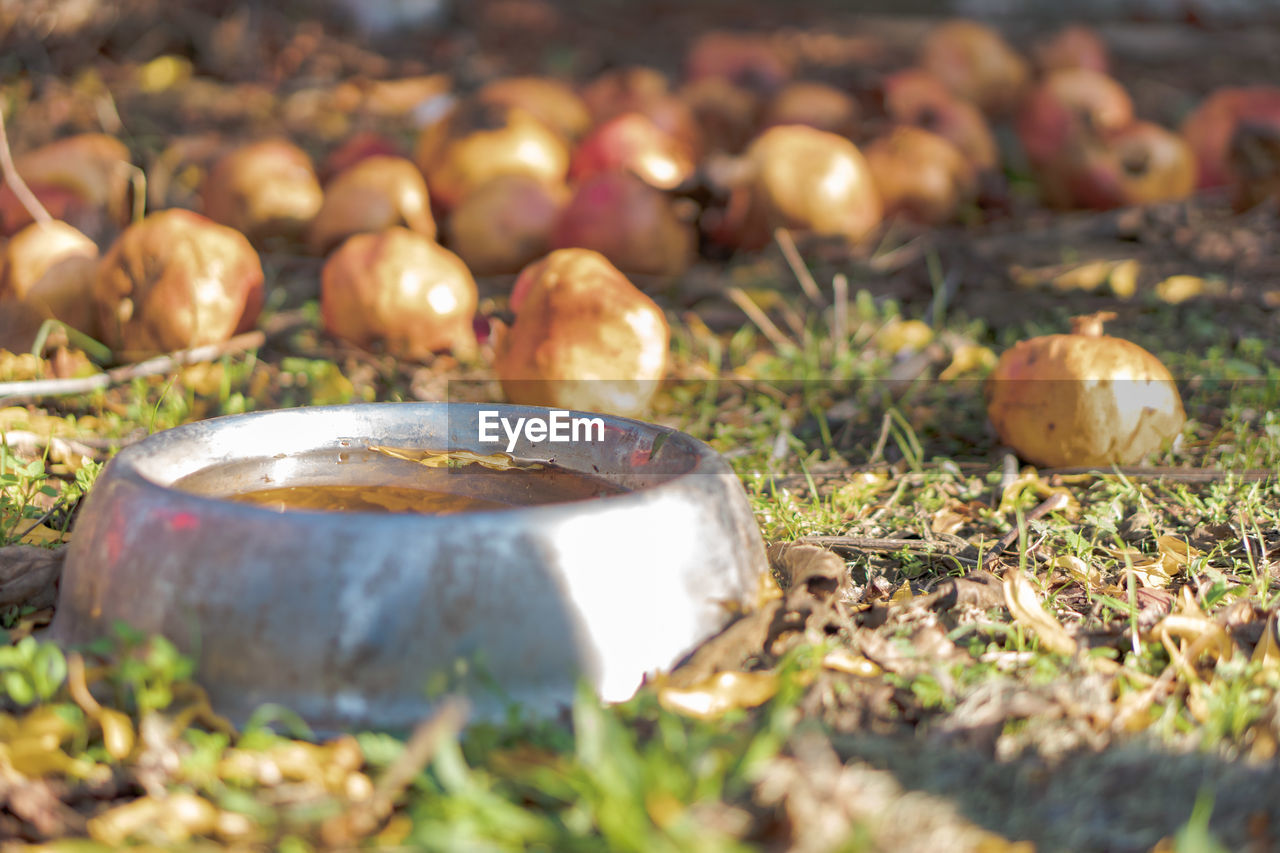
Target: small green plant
31,671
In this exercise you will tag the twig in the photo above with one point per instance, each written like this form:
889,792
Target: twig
859,544
13,391
762,321
789,251
1054,502
877,452
426,740
21,191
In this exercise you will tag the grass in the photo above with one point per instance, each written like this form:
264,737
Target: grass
848,440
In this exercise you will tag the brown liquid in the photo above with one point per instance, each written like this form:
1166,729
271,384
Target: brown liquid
366,499
360,480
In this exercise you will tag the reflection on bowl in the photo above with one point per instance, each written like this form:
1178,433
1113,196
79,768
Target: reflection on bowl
611,559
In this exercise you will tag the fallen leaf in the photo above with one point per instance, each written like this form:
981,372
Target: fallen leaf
1267,653
968,358
444,458
719,694
1024,603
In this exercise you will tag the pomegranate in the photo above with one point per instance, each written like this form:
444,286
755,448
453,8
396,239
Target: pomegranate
584,338
921,175
629,222
376,193
174,280
506,223
478,141
632,142
401,291
1083,399
975,62
264,189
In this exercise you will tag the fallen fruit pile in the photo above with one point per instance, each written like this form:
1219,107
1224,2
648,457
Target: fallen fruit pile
627,174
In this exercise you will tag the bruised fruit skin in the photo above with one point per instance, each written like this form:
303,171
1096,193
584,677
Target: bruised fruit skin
50,267
638,89
584,338
914,96
552,102
1210,127
176,280
376,193
746,59
1075,46
83,177
813,104
632,142
264,189
401,291
805,179
478,142
506,224
976,63
629,222
726,112
921,175
1083,399
1141,164
359,147
1235,134
1069,108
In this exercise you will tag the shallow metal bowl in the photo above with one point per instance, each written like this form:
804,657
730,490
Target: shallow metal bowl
348,618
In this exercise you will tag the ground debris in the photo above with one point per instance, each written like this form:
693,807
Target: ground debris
29,576
826,802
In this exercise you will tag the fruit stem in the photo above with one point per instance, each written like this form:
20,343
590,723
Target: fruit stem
1090,325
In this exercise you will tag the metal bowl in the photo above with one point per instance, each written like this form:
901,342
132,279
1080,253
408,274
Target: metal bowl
348,618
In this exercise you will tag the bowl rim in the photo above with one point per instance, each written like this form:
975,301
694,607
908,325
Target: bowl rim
129,465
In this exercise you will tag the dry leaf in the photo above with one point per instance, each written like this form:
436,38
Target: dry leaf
1024,603
843,660
719,694
1179,288
443,458
967,358
1077,569
1267,652
1029,480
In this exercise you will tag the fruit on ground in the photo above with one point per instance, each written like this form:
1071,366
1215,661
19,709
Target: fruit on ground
1074,46
174,280
1083,399
400,291
49,267
550,101
264,189
584,338
804,179
376,193
479,141
921,175
1142,163
814,104
976,63
632,142
83,178
914,96
506,224
629,222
